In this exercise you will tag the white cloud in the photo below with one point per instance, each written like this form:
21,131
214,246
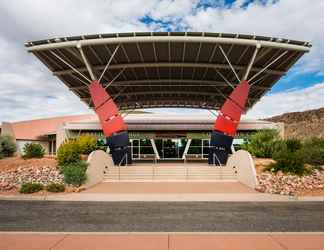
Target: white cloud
300,20
28,90
289,101
169,9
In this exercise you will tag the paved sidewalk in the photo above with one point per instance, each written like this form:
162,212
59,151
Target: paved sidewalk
172,197
171,187
162,241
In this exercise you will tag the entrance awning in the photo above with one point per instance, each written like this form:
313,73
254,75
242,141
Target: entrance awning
169,69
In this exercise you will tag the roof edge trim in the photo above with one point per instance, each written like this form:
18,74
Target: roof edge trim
147,39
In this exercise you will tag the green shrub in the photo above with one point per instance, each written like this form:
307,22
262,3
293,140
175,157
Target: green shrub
55,188
264,143
33,150
293,144
7,146
314,142
288,162
30,187
68,153
75,173
313,151
87,143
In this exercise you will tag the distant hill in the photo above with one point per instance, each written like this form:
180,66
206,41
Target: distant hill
303,124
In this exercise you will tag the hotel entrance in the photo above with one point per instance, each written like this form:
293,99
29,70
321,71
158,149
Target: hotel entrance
170,148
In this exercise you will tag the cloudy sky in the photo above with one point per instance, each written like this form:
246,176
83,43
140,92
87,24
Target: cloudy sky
28,90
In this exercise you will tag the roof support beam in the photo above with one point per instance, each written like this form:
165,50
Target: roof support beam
224,78
265,68
229,63
108,63
69,65
119,73
167,82
168,64
248,69
86,62
169,92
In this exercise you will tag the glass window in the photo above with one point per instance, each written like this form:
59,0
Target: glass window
196,142
206,143
194,150
135,143
145,142
146,150
205,150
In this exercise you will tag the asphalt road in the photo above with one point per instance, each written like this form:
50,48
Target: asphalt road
161,216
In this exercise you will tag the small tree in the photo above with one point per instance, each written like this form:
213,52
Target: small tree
75,173
69,152
288,162
33,150
313,151
87,143
263,143
7,146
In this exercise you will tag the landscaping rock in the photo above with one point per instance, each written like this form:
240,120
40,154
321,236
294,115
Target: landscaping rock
15,178
279,183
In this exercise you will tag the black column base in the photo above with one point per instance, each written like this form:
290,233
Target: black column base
119,149
220,148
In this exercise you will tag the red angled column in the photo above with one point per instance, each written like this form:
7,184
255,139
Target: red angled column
113,125
106,110
226,124
231,111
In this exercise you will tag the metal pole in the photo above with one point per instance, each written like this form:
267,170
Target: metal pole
86,62
108,63
229,63
261,71
224,78
73,68
247,72
115,78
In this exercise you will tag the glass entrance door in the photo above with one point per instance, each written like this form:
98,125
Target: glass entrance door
170,149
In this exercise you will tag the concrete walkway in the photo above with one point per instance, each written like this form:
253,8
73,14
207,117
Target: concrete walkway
171,197
166,191
171,187
160,241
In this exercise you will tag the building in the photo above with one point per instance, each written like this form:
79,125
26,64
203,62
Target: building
164,69
160,136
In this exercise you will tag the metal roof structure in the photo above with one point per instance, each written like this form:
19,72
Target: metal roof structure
169,69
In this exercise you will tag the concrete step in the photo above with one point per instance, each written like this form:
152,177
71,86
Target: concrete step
182,172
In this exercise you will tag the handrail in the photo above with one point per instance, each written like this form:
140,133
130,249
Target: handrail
120,165
123,160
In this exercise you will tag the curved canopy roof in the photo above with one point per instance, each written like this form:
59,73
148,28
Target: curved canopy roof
169,69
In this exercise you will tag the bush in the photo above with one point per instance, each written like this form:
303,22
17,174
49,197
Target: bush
7,146
68,153
263,143
55,188
75,173
30,187
289,162
87,143
313,151
293,145
33,150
